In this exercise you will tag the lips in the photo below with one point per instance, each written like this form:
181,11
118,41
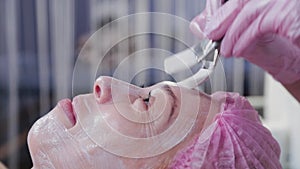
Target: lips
67,107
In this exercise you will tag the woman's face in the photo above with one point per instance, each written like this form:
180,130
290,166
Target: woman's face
119,125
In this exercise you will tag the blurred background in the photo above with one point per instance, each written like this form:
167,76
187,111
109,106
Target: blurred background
40,44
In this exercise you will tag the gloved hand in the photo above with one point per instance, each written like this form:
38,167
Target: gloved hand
265,32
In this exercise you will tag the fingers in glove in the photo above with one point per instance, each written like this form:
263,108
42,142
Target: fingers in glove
198,24
244,29
222,19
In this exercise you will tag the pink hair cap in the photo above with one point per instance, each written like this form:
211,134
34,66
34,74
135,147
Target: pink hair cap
235,139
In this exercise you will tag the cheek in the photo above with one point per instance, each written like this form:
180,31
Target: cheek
122,118
163,111
164,119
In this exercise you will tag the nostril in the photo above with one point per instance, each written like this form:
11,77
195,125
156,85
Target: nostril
102,92
98,91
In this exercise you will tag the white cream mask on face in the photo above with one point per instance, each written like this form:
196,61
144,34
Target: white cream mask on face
53,146
91,116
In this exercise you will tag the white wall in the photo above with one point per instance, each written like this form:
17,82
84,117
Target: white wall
282,113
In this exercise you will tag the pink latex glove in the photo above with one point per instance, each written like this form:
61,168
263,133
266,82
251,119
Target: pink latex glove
265,32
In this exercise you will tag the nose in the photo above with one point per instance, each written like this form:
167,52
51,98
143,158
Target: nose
109,89
102,89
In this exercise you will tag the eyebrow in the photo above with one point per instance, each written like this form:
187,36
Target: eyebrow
170,92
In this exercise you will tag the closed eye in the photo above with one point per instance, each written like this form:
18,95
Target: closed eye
146,100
